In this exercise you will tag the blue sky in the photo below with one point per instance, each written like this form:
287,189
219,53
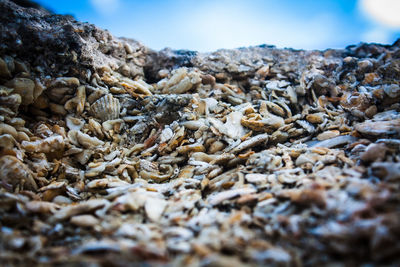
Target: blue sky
208,25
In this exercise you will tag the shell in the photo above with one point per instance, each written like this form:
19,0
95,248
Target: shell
81,208
14,172
247,157
136,88
24,87
181,82
8,129
41,207
54,143
328,135
86,220
7,141
225,195
106,108
256,178
85,140
154,208
4,71
254,141
379,128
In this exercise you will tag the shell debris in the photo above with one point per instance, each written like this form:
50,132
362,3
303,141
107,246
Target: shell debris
248,157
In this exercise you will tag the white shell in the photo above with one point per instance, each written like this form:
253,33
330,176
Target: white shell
106,108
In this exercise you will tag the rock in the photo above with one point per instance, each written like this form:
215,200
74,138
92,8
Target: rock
69,44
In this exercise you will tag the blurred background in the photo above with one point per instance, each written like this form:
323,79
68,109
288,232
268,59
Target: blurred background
208,25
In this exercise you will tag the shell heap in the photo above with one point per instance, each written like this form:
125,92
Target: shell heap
296,162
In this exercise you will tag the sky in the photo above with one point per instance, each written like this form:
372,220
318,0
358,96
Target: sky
208,25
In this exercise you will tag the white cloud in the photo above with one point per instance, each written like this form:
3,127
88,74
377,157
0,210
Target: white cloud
384,12
106,7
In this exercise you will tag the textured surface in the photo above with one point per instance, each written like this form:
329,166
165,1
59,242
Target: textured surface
113,154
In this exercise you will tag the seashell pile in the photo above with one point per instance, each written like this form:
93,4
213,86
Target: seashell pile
248,157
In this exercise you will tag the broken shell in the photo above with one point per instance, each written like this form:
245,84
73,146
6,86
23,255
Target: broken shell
253,141
233,127
177,76
50,144
80,208
4,71
106,108
86,220
95,169
58,109
374,152
379,128
388,171
258,161
336,141
256,178
190,148
154,208
8,129
78,102
328,135
24,87
181,81
155,175
166,135
225,195
138,88
16,173
84,140
113,125
41,207
392,90
74,123
65,82
274,108
315,118
7,141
